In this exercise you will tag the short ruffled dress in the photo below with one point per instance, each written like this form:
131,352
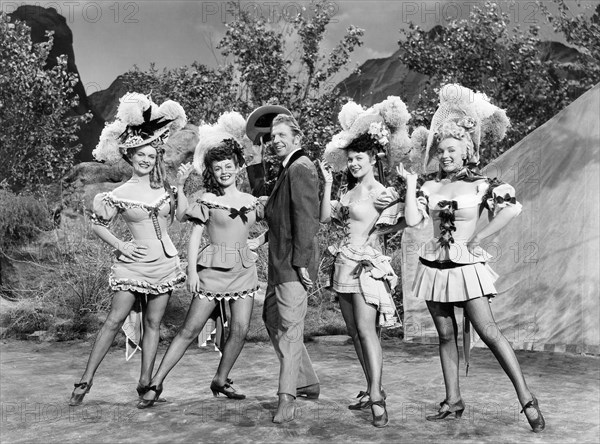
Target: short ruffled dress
447,271
226,266
359,265
159,271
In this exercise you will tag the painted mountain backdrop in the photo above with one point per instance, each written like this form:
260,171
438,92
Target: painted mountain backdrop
377,78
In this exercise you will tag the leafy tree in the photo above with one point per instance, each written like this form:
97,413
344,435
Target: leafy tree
203,92
264,69
300,78
583,32
38,133
486,53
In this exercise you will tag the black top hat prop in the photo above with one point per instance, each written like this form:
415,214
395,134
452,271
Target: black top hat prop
258,125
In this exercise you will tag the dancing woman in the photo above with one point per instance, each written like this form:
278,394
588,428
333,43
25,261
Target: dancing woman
453,269
146,268
225,269
363,277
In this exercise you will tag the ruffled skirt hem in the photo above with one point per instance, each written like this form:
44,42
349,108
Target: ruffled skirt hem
146,287
367,272
456,284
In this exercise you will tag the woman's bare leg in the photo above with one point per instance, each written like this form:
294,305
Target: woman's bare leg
153,314
241,312
445,324
121,304
197,315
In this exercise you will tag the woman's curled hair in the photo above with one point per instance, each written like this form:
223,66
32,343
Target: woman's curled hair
229,149
362,144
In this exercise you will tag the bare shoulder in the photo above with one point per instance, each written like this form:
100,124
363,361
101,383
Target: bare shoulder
431,186
248,198
124,191
208,196
377,189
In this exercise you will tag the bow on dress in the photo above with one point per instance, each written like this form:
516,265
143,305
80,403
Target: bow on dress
448,207
233,213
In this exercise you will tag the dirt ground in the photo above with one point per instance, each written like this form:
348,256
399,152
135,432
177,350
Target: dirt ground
37,379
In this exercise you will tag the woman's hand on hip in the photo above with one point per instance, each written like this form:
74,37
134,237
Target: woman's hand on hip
132,250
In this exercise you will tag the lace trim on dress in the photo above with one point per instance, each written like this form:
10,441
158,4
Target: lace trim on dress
226,295
233,212
98,220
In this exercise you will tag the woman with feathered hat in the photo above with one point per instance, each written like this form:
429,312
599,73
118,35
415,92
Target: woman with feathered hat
146,268
453,269
362,275
225,268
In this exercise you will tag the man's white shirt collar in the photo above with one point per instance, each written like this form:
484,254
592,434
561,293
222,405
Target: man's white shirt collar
287,158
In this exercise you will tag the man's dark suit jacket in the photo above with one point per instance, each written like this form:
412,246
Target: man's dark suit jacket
292,214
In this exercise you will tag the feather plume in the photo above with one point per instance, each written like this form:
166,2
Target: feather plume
172,110
234,124
348,114
107,149
131,108
394,112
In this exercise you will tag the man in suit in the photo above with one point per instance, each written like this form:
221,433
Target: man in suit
292,213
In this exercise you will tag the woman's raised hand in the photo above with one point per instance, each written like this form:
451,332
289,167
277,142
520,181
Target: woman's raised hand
326,171
183,172
406,174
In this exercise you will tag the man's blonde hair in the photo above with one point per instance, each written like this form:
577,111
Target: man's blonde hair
289,121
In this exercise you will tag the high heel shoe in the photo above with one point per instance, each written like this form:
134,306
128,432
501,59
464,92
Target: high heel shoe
142,389
77,398
457,408
364,404
145,403
232,394
361,404
380,420
538,424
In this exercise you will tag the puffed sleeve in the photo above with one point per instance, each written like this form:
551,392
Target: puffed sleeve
391,207
198,212
103,210
500,195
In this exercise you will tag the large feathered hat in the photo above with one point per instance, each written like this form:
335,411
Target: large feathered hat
229,129
465,114
138,122
384,122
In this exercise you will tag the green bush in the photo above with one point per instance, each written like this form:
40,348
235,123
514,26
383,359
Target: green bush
22,218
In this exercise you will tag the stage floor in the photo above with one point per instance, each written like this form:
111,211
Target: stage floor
37,379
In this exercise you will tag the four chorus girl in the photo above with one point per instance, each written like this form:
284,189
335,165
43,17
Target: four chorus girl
452,269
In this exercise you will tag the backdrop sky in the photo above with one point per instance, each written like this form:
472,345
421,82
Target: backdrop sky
109,37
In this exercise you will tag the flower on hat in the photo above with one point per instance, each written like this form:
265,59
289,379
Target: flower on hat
379,133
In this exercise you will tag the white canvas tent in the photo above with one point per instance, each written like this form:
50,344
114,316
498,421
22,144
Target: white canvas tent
548,257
